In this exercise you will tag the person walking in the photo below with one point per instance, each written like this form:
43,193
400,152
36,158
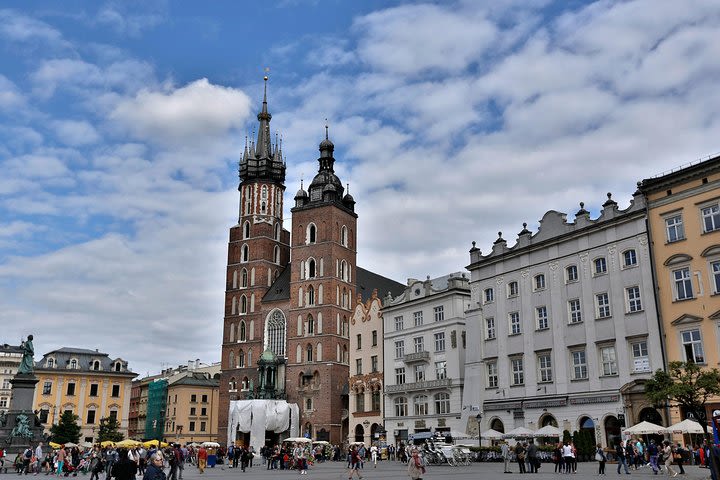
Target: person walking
202,459
668,458
60,461
679,459
532,457
601,458
622,461
354,462
124,468
38,458
652,451
567,455
154,469
520,456
416,466
505,451
374,455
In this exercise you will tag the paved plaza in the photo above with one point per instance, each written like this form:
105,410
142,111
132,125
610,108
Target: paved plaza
397,471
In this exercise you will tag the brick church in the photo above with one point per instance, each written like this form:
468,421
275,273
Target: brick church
290,294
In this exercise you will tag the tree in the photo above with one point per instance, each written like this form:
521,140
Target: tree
685,385
67,429
109,430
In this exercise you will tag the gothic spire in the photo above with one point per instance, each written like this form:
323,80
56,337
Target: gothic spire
264,149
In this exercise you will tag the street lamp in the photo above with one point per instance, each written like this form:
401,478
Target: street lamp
478,417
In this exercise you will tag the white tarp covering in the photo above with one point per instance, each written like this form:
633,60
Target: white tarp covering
257,416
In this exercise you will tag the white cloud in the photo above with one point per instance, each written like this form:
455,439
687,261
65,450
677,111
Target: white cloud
75,132
182,117
18,27
10,96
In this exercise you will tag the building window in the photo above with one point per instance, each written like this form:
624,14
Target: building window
608,360
514,318
421,405
374,363
360,402
401,407
398,323
629,258
193,410
574,310
245,253
489,328
400,349
579,363
90,417
440,342
70,389
683,284
539,282
193,398
192,426
442,403
202,426
94,389
419,373
276,334
375,400
204,398
545,367
711,218
419,344
359,341
513,289
441,370
518,373
47,388
692,345
541,318
439,313
113,415
418,316
571,273
602,306
489,295
44,414
73,364
115,392
600,265
4,403
344,236
634,302
715,266
51,363
374,338
311,233
674,228
492,375
641,362
309,353
400,376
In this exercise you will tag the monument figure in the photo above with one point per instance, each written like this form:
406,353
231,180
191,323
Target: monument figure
27,365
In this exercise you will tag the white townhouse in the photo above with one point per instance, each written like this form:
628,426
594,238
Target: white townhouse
567,325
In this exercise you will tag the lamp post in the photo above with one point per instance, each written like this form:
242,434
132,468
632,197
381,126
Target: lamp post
479,417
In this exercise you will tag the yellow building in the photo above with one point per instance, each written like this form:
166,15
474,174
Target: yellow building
86,382
10,357
684,228
191,413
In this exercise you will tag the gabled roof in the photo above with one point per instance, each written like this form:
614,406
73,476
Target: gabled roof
280,289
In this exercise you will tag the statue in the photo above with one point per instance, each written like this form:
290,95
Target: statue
22,427
27,365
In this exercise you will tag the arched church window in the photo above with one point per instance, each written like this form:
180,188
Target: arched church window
275,333
311,233
246,230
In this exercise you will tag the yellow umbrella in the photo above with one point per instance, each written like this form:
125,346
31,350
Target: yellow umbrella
54,445
127,443
154,443
107,443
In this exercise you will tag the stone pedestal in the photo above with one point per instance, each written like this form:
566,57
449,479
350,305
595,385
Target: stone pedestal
14,438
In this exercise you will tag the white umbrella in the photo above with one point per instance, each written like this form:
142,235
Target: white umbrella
298,440
520,432
457,434
645,428
686,426
491,434
548,431
70,445
211,444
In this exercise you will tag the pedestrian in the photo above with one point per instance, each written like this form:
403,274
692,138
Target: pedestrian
601,458
202,459
124,468
154,470
668,458
38,458
622,461
557,457
60,461
532,452
520,456
505,452
678,455
653,452
354,462
374,455
416,466
567,455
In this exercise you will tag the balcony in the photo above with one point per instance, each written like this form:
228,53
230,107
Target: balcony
419,386
417,357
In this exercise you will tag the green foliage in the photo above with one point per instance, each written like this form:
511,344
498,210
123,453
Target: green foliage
686,385
67,429
584,441
566,436
109,430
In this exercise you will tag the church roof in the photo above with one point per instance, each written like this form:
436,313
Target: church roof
367,281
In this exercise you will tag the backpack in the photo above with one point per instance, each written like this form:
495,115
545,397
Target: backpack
28,453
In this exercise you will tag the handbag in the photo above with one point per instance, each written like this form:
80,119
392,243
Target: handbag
599,457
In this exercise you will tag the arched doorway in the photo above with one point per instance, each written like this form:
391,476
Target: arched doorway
359,433
651,415
587,430
548,419
497,425
612,431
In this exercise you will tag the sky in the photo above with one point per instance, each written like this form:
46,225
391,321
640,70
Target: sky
122,123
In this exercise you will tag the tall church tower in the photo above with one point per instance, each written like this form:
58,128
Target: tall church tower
258,250
322,291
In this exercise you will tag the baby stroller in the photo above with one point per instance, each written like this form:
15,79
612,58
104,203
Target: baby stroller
69,469
84,466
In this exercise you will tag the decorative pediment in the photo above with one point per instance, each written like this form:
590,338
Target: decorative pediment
715,316
685,319
711,251
677,259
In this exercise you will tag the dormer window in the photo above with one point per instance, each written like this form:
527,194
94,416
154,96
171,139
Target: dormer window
118,366
50,363
73,364
96,365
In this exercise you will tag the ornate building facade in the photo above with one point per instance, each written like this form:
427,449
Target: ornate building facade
286,333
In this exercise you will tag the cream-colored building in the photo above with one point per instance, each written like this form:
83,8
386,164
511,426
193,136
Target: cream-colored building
684,228
88,383
366,372
10,358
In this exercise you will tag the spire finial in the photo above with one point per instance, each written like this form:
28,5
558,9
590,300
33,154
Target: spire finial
326,130
347,185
